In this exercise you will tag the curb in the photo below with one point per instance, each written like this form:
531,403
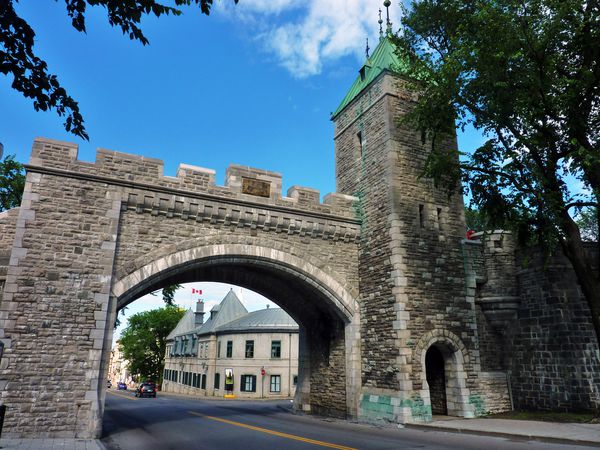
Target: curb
220,398
548,439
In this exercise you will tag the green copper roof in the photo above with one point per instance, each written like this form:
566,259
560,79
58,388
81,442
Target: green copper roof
383,58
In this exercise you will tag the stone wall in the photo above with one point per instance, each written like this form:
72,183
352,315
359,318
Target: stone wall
363,171
534,327
94,236
8,226
55,305
124,170
412,275
555,361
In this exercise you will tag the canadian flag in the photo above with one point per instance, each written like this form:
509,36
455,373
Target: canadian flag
197,291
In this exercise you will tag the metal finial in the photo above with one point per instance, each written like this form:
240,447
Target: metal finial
367,49
388,24
380,21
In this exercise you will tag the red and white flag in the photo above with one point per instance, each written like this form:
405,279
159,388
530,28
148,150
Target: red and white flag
197,291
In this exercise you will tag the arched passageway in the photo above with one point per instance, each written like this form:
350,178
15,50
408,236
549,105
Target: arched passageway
442,357
329,343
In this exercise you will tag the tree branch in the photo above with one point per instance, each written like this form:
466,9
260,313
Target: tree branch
580,205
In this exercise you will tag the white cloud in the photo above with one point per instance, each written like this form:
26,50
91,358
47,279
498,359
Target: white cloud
304,36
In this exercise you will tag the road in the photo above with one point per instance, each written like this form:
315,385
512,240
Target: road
184,423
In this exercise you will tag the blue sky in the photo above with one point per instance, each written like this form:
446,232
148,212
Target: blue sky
251,84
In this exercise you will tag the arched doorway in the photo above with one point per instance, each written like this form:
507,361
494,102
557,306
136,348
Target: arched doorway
436,379
327,315
442,357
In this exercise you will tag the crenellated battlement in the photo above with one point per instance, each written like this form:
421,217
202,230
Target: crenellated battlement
242,183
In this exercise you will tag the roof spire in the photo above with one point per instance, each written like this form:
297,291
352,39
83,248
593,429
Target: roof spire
367,49
388,24
380,21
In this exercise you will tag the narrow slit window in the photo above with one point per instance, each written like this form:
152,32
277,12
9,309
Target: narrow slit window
439,218
422,216
361,143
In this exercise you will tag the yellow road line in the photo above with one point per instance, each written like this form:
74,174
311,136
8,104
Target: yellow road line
274,433
121,395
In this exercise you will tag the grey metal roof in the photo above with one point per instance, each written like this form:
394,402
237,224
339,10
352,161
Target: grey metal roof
265,319
185,325
228,310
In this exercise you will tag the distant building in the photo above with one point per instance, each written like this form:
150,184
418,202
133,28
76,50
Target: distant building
117,368
258,349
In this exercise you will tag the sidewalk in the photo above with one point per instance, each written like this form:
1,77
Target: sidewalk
51,444
567,433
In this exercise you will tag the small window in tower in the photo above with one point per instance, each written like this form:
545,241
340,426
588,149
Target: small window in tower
439,218
422,216
361,143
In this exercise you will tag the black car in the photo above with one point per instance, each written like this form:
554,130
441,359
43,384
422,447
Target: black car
146,389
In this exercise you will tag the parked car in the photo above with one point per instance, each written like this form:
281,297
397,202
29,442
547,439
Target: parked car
146,389
121,386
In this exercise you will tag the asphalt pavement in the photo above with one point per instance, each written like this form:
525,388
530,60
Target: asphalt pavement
177,422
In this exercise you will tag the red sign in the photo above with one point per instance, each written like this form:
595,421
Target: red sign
263,371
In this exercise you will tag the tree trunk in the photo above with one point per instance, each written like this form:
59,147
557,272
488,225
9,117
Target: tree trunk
586,275
593,178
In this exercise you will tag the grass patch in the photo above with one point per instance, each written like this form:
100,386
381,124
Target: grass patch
548,416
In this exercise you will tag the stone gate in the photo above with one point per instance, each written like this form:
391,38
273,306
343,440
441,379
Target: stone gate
91,238
388,294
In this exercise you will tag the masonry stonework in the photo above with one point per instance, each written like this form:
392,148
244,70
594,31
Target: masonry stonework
90,238
376,276
412,276
555,362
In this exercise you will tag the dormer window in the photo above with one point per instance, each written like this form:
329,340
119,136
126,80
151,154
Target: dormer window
363,73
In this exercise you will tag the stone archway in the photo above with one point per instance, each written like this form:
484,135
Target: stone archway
445,348
328,315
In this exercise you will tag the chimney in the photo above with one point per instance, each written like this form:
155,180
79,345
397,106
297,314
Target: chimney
199,314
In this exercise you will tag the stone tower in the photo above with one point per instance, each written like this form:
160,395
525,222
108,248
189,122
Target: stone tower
415,305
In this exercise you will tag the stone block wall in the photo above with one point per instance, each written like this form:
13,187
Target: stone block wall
8,226
122,169
362,170
412,274
54,308
428,226
555,361
93,236
534,326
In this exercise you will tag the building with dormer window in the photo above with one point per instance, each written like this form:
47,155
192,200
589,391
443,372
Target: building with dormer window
260,350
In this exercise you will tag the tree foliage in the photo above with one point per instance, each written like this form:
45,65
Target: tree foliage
30,72
143,342
168,293
587,221
475,220
526,73
12,183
